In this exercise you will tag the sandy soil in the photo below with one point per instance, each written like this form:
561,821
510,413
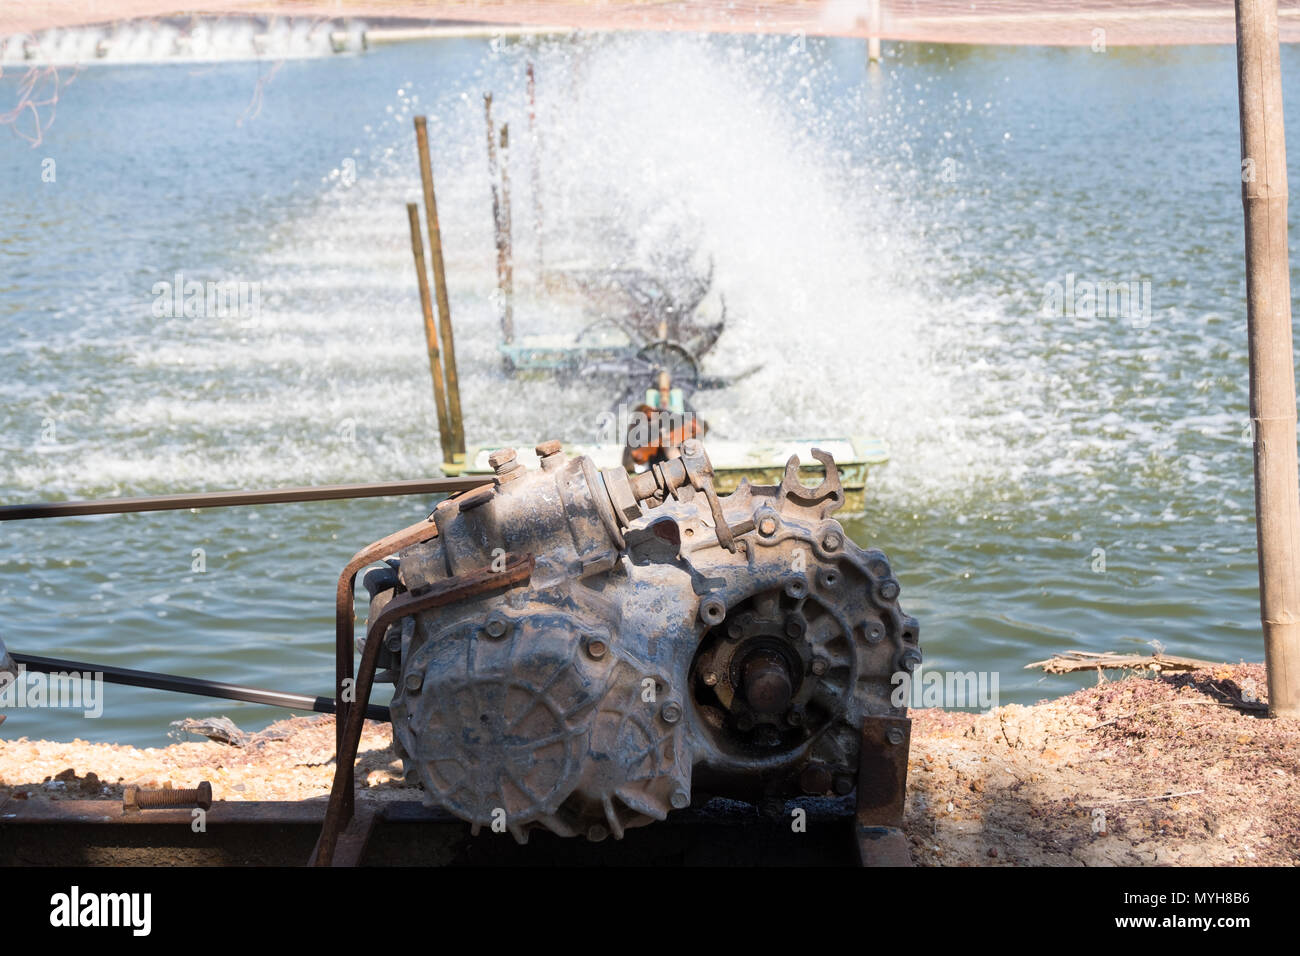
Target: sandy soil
1181,770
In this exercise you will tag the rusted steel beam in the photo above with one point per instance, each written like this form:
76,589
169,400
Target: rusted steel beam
517,570
882,790
233,499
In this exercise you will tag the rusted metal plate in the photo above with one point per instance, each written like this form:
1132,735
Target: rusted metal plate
882,790
111,812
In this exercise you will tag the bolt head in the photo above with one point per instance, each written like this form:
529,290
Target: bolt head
712,610
895,735
596,648
843,784
832,541
795,626
710,679
547,448
496,625
680,799
691,447
767,526
671,712
819,666
502,456
413,680
889,590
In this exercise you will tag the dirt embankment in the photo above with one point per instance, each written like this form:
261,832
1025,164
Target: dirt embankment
1180,770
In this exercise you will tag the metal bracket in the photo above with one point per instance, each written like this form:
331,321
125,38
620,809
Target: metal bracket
882,790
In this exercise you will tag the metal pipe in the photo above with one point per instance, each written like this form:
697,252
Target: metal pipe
518,570
189,685
1272,363
231,499
446,434
457,421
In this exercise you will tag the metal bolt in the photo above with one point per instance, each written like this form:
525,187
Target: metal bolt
597,832
711,679
596,648
691,447
796,588
501,457
815,778
135,798
911,658
671,712
832,541
413,681
712,610
889,590
680,799
895,735
547,448
795,626
874,633
767,526
496,625
819,666
843,784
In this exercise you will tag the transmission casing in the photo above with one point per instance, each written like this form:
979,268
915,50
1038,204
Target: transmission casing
671,646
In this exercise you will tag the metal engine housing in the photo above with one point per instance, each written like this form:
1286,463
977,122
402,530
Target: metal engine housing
670,646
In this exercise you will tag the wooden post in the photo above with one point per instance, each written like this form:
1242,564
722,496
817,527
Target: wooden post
430,333
494,174
456,422
1272,364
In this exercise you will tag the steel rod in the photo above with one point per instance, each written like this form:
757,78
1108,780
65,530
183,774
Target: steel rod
1272,362
189,685
232,499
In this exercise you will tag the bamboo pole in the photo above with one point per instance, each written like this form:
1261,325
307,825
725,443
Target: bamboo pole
1272,364
507,230
430,332
455,419
507,318
535,146
873,41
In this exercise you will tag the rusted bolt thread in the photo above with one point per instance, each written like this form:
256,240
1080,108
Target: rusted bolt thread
200,796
